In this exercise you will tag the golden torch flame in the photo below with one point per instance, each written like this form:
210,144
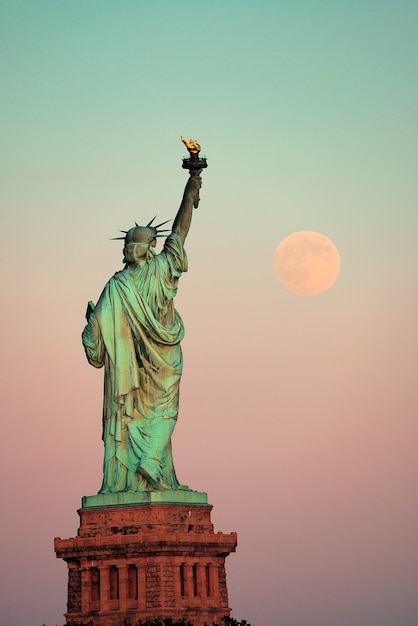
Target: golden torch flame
191,144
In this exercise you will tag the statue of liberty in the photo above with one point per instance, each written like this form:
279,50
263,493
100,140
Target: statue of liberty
134,331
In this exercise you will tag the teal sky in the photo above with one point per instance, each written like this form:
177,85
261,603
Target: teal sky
298,415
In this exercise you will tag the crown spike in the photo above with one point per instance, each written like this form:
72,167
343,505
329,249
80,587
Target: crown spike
162,223
157,233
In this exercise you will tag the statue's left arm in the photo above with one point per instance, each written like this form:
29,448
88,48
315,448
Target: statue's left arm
190,199
93,342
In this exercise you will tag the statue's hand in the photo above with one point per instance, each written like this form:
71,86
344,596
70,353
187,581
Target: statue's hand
193,185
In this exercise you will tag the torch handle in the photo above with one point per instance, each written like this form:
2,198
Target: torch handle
196,174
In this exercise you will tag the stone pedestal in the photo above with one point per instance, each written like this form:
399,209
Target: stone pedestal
146,556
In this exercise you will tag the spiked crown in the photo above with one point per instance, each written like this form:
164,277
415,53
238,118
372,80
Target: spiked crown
137,232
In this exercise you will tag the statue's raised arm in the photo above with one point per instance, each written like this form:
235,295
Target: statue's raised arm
190,199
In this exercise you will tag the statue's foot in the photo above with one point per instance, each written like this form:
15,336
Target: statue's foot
156,483
184,488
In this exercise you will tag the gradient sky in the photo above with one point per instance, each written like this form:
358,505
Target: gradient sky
298,415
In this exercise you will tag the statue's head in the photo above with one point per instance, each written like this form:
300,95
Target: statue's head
141,234
140,241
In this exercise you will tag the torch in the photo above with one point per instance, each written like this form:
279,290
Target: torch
194,163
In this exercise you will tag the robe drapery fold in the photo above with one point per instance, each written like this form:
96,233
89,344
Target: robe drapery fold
135,333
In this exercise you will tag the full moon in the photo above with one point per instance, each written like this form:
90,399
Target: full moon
307,263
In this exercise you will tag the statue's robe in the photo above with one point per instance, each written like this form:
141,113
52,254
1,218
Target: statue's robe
135,333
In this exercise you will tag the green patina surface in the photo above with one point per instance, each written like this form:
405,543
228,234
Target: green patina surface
144,497
134,332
